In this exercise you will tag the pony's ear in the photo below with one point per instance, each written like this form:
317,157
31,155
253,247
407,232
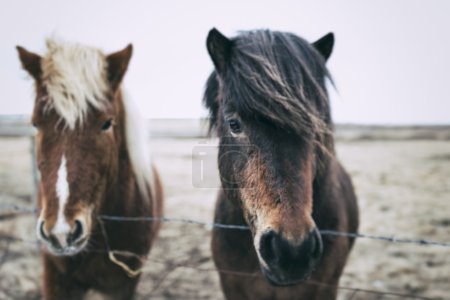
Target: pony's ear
325,45
117,65
31,62
219,48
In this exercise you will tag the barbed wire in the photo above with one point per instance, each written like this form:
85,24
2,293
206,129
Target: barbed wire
144,259
7,208
11,209
187,265
173,266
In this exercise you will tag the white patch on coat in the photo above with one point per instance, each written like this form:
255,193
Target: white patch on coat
62,228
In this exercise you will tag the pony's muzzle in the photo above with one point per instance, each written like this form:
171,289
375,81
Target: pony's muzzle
286,263
64,242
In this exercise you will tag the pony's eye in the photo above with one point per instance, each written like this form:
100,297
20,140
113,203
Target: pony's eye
107,124
235,126
34,124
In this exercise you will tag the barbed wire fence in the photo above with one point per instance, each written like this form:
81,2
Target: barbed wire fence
11,211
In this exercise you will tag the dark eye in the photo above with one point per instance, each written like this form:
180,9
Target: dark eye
34,124
107,124
235,126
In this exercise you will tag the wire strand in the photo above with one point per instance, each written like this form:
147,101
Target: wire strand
7,210
393,239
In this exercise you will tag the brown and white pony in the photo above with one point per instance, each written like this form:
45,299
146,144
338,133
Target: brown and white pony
280,176
93,161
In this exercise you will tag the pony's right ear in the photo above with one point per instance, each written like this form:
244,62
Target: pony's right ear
325,45
31,62
219,48
118,65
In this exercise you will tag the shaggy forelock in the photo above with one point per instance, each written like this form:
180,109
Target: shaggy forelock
279,77
74,77
274,76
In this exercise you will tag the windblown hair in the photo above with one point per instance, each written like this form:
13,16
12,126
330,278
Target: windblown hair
75,78
277,77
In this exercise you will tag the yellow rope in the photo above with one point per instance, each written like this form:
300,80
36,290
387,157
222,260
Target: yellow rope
131,273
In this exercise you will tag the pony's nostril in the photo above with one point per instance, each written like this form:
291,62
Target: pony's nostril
42,231
268,247
316,244
76,234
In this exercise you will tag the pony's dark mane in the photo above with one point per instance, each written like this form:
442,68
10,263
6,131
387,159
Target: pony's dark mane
274,76
211,98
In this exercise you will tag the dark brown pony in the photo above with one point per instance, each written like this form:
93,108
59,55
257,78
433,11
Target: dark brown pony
268,103
92,160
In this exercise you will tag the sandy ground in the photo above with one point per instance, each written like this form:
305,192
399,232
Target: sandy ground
403,189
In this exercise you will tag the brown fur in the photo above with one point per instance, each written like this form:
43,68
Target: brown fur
234,250
102,182
292,219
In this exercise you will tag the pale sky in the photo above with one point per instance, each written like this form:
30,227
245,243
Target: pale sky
391,60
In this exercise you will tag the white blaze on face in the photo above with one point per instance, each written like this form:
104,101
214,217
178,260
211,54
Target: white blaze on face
62,228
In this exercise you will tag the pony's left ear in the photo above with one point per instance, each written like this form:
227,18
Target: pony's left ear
325,45
117,65
31,62
219,48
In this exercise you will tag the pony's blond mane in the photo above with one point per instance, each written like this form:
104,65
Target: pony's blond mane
137,134
75,78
